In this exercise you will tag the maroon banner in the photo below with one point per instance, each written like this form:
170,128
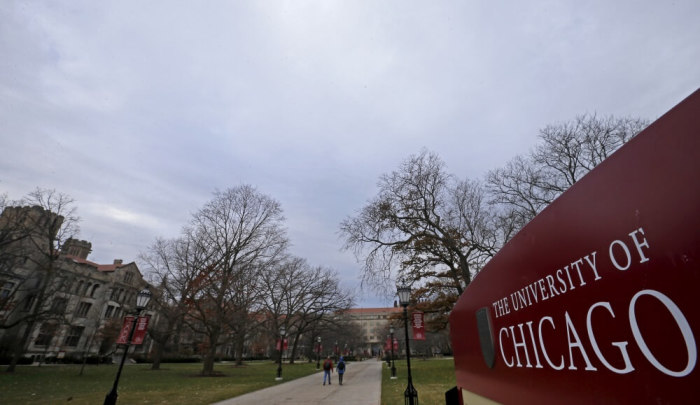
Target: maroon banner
596,299
140,332
418,325
387,344
126,329
284,344
396,344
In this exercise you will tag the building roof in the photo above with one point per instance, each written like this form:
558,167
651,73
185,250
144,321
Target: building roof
359,311
99,267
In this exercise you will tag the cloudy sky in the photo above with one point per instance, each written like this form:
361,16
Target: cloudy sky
140,110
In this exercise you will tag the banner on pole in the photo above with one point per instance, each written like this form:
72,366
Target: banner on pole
126,329
396,344
418,326
140,332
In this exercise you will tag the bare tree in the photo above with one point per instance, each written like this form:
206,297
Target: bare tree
172,266
40,226
240,230
299,297
424,225
566,152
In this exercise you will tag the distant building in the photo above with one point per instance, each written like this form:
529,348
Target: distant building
373,324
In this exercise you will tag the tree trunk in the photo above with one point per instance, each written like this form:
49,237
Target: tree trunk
158,355
210,357
240,346
294,349
20,347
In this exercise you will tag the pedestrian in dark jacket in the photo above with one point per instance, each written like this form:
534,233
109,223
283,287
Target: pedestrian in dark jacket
341,369
327,370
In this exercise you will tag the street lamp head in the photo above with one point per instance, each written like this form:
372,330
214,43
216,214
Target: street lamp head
283,331
142,299
318,339
391,330
404,293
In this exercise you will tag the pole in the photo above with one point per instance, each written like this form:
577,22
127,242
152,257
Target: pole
111,398
410,395
318,354
279,367
393,365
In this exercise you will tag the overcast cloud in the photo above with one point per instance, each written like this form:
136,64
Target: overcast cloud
140,110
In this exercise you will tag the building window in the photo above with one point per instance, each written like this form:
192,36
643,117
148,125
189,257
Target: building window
110,311
58,306
74,336
83,309
29,302
46,333
6,290
128,276
94,290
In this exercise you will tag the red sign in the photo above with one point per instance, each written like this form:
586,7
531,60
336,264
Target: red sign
126,329
595,300
396,344
418,325
140,332
387,344
284,344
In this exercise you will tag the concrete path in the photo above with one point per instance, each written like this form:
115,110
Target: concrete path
362,385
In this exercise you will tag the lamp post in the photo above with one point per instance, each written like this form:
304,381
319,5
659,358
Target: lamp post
393,366
335,349
410,395
318,353
279,367
141,302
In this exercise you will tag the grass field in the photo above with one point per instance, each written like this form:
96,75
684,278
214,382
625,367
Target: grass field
431,378
173,384
181,384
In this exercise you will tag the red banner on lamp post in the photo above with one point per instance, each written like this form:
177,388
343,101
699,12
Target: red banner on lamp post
139,333
126,329
283,345
418,326
396,344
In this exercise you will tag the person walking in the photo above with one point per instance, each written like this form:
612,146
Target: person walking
341,369
327,370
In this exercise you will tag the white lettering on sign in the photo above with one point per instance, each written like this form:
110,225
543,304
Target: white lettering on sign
560,282
615,258
681,322
521,344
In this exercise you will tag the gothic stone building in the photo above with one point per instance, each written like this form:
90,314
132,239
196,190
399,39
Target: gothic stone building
81,309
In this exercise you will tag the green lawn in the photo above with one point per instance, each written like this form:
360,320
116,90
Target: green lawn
173,384
181,383
431,378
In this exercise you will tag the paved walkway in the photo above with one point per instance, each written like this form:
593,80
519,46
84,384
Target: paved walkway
362,385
